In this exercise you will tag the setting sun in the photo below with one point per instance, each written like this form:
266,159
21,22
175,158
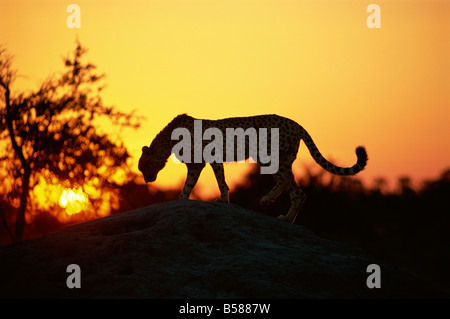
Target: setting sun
72,204
73,200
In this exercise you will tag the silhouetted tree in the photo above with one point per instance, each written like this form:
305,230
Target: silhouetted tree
405,186
380,185
54,132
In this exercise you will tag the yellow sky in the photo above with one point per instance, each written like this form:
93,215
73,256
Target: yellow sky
316,62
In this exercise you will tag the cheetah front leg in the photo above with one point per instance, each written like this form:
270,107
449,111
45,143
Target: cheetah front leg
193,173
220,177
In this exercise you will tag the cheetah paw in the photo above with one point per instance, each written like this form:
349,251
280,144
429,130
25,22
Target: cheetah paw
266,201
222,200
284,217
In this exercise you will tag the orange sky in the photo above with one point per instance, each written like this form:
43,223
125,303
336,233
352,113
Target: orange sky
316,62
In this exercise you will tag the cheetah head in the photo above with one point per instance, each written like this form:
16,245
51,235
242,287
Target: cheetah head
150,164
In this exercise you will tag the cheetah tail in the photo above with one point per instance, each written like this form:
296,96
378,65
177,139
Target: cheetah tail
361,155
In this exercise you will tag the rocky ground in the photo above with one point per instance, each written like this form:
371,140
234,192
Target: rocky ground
193,249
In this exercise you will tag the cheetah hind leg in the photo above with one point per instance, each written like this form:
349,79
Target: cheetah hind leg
298,198
272,195
279,187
